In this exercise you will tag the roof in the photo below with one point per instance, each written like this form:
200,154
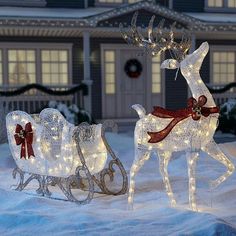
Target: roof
15,21
68,13
214,17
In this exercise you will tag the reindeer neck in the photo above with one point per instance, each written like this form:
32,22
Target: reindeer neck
198,87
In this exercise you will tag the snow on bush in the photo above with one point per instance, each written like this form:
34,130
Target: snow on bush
72,113
227,121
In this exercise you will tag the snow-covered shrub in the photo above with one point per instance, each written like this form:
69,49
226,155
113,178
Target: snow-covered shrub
227,120
73,113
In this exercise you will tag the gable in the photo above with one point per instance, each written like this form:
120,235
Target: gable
142,20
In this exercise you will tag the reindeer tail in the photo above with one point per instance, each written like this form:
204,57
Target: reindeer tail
140,110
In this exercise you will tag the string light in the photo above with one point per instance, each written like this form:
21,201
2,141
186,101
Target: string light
188,134
53,141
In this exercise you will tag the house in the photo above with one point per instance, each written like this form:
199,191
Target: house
66,42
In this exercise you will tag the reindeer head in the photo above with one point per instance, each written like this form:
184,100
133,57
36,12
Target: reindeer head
159,40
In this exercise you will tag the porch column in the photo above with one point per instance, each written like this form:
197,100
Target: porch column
87,79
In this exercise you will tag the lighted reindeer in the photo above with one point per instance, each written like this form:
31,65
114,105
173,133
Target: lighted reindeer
190,129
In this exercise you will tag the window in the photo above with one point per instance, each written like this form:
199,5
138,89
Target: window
21,66
156,74
1,76
215,3
109,71
221,5
54,66
232,3
223,67
27,63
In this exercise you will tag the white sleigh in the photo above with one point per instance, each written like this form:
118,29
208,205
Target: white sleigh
55,152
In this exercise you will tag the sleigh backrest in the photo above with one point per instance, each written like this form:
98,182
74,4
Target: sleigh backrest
27,163
92,146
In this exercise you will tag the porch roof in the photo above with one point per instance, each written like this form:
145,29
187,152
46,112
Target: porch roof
58,22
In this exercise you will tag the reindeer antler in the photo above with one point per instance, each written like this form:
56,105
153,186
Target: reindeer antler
157,41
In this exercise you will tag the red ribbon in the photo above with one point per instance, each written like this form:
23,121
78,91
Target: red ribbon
195,109
22,137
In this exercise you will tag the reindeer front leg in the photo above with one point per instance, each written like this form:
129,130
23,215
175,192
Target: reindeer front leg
192,158
140,157
214,151
164,157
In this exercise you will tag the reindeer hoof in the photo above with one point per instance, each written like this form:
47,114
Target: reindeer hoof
130,207
173,203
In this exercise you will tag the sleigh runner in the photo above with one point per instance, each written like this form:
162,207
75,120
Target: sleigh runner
54,152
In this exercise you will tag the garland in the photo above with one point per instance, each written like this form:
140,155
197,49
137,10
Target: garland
23,89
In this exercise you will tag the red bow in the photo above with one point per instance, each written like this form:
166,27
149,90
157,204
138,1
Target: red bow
195,109
23,136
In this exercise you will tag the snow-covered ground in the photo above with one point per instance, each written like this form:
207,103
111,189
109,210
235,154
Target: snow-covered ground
25,213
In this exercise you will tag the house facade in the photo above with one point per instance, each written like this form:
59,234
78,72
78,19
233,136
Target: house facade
64,43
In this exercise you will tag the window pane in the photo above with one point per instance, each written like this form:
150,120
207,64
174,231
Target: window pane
63,56
45,67
218,3
21,66
31,68
45,55
155,68
223,67
156,88
63,68
110,89
12,55
64,78
156,74
109,72
54,55
110,68
30,55
109,56
55,66
231,3
110,78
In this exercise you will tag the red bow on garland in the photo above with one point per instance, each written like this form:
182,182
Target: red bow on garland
22,137
195,109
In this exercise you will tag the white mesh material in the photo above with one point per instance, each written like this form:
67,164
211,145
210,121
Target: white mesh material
55,150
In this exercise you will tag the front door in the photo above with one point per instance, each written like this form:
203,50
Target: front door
133,81
129,77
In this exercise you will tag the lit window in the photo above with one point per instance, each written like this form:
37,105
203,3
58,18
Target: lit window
1,76
109,71
232,3
215,3
156,74
21,66
223,67
54,66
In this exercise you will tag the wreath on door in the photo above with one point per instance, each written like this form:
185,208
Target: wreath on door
133,68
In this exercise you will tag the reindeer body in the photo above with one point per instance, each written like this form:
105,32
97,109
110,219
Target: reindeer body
188,135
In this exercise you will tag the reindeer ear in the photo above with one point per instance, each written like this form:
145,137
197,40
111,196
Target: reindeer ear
170,64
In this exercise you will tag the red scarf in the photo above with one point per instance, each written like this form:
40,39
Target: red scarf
22,137
195,109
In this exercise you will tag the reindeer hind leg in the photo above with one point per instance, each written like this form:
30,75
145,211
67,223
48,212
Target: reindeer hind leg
164,157
140,157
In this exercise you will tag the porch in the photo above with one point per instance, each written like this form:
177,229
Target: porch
33,98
